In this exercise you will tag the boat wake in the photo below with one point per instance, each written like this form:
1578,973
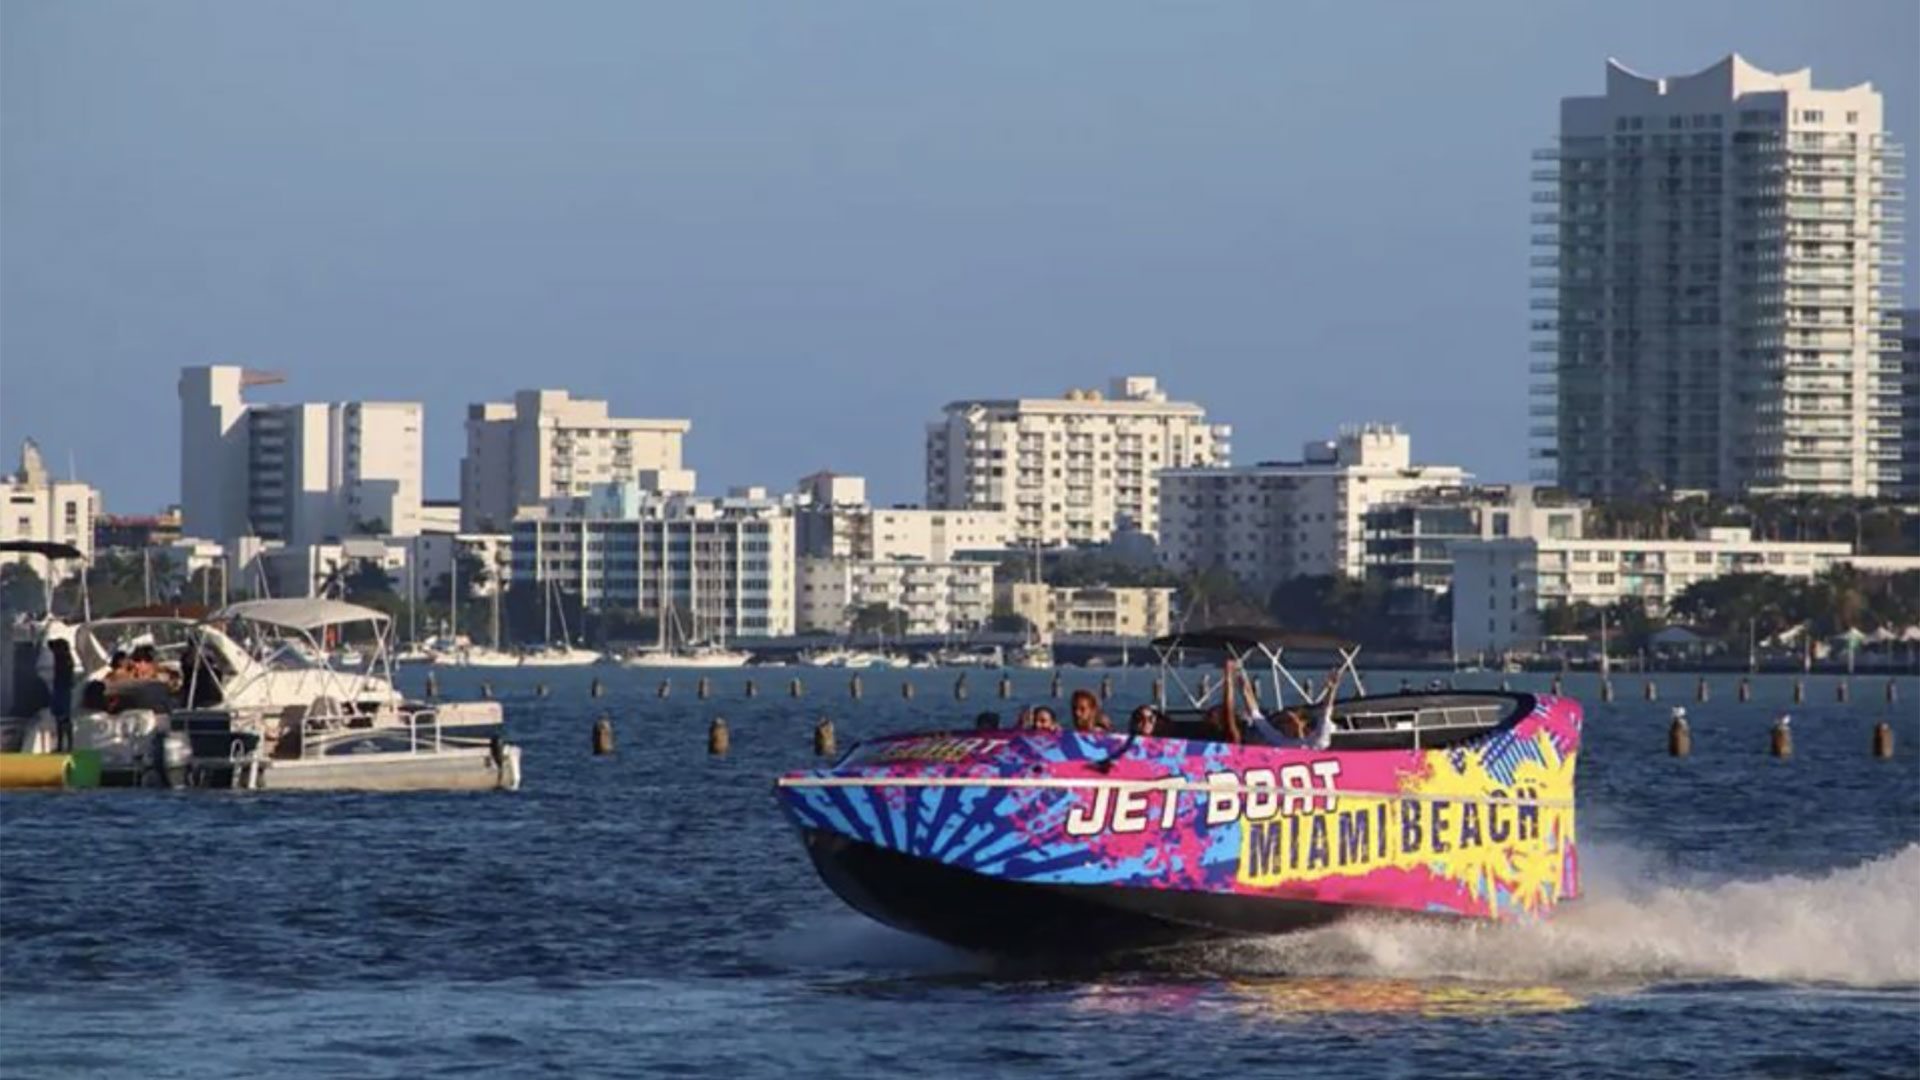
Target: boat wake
1857,927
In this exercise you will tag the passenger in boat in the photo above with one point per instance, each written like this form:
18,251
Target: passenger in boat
987,721
1144,721
120,666
144,664
1042,719
1223,725
1087,717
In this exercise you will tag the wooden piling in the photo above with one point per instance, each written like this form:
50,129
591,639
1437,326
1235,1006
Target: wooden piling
1679,735
1653,690
1799,691
1556,686
597,689
906,690
1893,692
719,740
796,688
1053,689
960,687
1006,687
1606,690
602,736
703,688
666,687
433,686
1842,691
1106,687
853,687
1883,740
753,688
540,690
1746,690
1782,741
823,742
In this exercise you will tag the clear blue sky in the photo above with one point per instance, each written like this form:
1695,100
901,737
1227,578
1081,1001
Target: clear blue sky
808,225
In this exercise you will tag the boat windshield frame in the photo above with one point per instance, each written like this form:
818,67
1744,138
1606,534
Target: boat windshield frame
1245,651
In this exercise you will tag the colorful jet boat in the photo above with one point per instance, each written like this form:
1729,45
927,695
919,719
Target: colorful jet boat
1308,808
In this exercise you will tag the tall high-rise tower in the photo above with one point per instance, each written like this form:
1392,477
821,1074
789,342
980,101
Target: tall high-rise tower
1724,280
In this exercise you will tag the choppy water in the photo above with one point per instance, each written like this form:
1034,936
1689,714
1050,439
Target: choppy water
650,914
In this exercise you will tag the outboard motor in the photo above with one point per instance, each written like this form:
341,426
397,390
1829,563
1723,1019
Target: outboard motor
168,755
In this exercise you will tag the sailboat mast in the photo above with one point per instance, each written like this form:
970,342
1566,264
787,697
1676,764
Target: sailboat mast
453,591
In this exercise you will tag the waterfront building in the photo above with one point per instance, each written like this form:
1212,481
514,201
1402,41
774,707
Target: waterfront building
834,520
1409,540
723,566
1277,520
1501,586
545,444
42,509
1068,469
135,531
1908,487
1091,610
300,474
936,597
1719,272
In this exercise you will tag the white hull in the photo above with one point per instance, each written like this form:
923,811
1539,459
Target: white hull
569,658
453,769
712,660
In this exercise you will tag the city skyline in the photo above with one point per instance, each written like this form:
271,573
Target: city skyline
807,234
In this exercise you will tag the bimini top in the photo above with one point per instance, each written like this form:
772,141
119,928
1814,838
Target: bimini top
1248,638
40,547
309,613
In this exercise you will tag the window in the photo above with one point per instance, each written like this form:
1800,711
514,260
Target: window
1605,579
1500,523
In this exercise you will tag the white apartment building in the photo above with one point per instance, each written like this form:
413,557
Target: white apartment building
1067,469
301,474
834,520
1273,521
1409,541
1501,586
724,566
545,443
937,597
1092,610
44,510
1717,307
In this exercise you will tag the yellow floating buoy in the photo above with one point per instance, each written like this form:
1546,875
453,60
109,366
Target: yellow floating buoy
75,769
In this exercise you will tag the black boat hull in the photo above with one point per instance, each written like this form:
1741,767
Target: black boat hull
986,914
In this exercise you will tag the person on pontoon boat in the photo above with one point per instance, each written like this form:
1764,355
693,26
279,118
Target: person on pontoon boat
1042,719
1144,721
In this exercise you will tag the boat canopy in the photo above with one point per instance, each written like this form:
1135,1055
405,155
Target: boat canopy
310,613
49,549
1245,639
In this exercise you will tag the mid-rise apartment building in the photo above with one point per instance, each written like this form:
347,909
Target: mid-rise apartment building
1409,541
1091,610
1068,469
936,597
724,567
301,473
545,444
834,520
1719,273
1501,586
42,509
1277,520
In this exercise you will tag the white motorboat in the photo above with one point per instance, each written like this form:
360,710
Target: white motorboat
258,713
677,649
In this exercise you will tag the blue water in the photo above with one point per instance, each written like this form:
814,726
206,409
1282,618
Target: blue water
650,914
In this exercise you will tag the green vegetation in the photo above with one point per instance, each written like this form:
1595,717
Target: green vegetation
1873,527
